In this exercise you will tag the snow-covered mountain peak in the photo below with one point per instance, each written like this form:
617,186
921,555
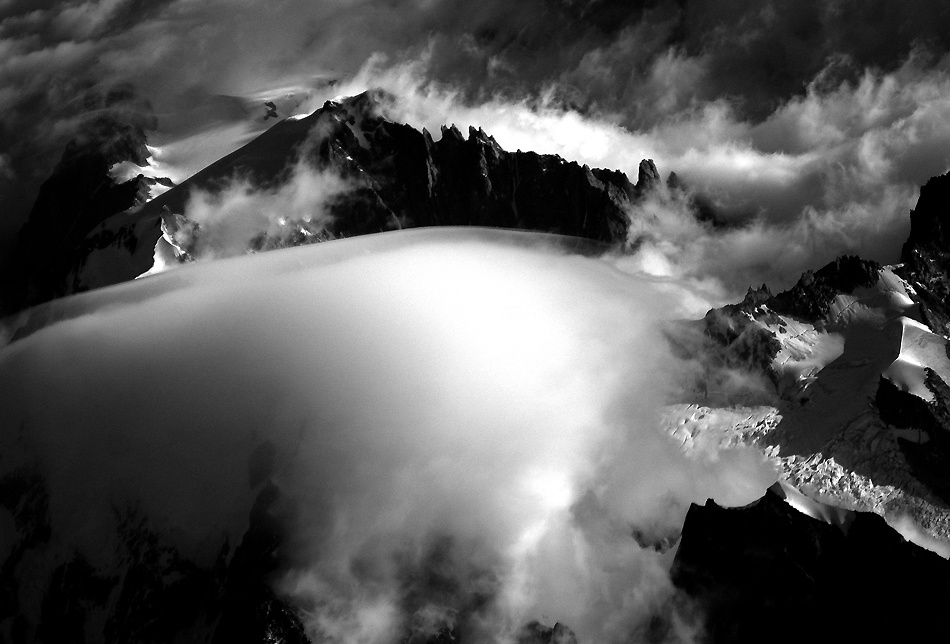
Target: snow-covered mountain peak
346,170
852,365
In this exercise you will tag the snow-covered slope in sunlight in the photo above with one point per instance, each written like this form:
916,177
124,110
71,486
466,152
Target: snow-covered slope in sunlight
838,340
920,349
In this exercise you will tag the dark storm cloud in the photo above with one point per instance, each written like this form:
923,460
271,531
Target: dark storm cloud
764,53
755,54
760,54
638,60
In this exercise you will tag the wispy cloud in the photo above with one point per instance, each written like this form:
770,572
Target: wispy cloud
239,217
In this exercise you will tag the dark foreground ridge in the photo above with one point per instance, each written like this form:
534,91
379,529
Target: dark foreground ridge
149,592
767,572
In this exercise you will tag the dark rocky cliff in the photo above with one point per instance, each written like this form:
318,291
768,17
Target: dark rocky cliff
410,180
926,253
78,196
766,572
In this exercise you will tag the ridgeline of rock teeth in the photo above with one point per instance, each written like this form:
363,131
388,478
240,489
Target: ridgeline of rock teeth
398,177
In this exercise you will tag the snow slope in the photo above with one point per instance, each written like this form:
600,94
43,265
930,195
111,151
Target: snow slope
825,434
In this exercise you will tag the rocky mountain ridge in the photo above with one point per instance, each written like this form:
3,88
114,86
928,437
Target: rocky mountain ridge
851,405
854,361
397,177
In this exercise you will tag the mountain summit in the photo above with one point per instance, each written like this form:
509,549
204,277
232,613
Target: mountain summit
394,176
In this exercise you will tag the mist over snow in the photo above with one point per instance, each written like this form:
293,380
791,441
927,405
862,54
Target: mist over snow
473,406
231,217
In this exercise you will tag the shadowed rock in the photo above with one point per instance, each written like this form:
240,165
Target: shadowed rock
766,572
926,253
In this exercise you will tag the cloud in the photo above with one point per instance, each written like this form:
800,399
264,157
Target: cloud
54,83
84,19
466,424
239,217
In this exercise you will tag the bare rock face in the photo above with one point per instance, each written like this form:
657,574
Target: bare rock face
648,177
78,196
410,180
811,297
738,341
738,336
927,460
926,253
809,300
929,222
535,633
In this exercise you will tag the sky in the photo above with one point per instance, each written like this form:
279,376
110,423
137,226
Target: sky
810,126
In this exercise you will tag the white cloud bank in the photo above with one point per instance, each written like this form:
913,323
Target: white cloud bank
465,423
